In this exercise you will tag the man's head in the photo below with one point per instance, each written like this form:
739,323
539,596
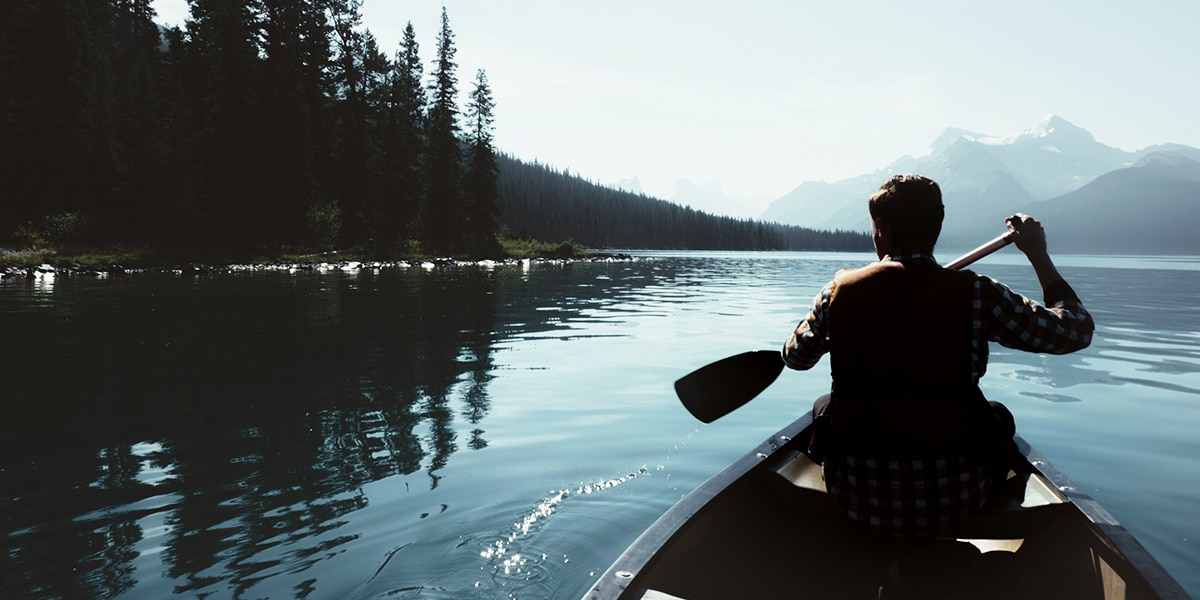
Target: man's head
906,213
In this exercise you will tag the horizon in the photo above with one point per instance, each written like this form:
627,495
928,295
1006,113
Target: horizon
801,93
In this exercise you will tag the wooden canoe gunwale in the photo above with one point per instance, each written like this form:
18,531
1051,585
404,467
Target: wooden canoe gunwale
622,579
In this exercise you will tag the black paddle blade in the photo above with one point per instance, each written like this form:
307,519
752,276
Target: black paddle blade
716,390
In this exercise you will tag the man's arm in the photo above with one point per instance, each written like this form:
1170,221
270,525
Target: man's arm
1063,325
810,340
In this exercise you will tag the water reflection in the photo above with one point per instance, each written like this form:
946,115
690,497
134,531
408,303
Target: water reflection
259,434
224,428
43,283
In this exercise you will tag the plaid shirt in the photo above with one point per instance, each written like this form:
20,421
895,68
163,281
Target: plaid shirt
910,492
907,494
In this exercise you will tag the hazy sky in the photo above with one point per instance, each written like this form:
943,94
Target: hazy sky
764,95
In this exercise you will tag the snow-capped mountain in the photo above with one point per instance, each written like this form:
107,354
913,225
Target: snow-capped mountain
983,177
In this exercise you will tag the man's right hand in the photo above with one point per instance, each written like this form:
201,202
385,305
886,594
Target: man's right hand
1028,235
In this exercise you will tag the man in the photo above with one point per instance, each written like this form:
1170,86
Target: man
913,448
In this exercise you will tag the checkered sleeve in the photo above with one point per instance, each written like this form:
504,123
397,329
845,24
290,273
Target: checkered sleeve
810,340
1058,326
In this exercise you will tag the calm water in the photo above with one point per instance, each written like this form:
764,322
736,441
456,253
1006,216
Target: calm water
478,432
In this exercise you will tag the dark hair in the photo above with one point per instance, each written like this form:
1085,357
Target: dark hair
911,207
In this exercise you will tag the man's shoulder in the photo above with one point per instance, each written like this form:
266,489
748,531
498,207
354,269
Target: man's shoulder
845,276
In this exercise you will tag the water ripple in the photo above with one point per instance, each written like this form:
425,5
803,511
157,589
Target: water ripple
504,556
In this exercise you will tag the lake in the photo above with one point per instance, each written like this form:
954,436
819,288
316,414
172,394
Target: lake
488,431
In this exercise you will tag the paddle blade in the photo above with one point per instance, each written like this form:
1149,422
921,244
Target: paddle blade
715,390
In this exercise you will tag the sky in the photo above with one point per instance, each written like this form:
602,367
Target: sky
761,95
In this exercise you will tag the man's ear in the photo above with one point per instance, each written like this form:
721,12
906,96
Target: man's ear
881,236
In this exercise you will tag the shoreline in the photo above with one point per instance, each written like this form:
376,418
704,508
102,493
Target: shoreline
76,269
123,260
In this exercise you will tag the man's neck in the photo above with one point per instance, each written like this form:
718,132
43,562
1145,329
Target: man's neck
910,253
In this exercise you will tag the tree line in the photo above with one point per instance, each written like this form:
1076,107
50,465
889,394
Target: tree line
541,202
263,125
259,124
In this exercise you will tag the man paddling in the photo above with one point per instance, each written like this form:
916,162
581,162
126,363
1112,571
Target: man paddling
911,446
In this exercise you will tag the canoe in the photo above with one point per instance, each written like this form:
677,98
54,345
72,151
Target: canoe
765,528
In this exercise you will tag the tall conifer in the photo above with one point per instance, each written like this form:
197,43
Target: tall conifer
442,213
296,52
135,208
403,143
482,208
225,36
58,112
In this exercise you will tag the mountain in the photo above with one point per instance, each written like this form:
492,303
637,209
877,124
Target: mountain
633,186
981,176
1152,207
711,198
814,202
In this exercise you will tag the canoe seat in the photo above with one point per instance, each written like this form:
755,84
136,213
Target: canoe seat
654,595
798,469
1025,505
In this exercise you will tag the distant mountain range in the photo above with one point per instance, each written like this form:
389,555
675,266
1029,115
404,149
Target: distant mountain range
1091,197
707,197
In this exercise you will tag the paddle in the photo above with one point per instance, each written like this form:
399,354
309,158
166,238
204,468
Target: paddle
718,389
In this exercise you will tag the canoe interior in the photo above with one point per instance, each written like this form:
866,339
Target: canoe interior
764,528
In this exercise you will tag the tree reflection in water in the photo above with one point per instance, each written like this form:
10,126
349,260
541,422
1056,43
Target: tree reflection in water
225,426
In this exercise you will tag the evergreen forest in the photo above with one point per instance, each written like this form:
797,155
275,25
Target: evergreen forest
266,125
541,202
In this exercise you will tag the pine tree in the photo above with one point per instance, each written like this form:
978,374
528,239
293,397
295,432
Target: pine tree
295,44
58,115
482,208
137,209
375,70
403,143
16,73
230,184
322,219
180,95
351,143
442,215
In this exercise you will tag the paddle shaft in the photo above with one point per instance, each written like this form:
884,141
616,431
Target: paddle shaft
718,389
980,252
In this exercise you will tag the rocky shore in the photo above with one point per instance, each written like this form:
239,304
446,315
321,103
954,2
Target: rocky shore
77,270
